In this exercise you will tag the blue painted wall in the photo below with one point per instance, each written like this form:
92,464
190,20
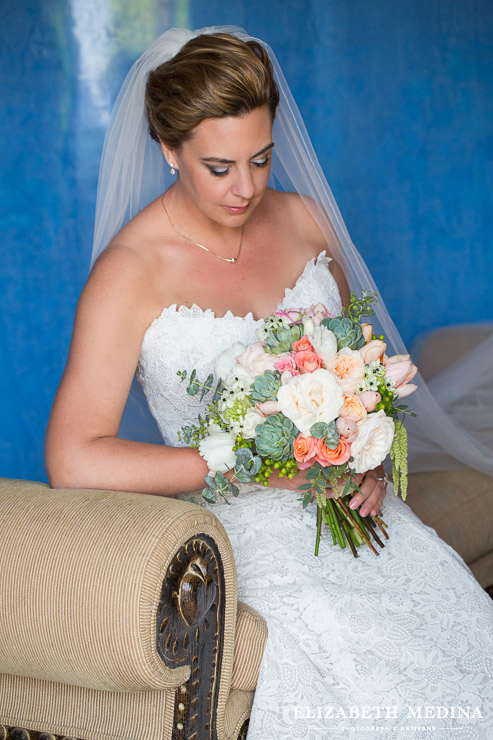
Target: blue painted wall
397,98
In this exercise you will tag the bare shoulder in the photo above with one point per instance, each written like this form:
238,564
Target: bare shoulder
296,216
298,212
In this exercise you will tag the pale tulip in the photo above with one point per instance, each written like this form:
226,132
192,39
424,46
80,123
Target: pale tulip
367,330
372,351
400,369
369,399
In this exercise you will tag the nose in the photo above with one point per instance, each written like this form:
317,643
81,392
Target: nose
243,185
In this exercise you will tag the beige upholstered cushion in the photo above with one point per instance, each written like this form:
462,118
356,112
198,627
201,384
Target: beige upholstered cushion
81,579
251,634
78,712
459,506
436,350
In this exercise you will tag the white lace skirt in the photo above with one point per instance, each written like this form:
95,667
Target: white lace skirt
398,647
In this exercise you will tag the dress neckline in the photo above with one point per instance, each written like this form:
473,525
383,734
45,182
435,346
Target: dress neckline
194,310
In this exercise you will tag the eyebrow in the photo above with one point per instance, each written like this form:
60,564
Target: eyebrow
232,161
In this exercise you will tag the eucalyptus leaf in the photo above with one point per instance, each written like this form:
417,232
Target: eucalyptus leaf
242,475
319,430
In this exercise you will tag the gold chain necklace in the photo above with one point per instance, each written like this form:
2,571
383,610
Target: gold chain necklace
231,260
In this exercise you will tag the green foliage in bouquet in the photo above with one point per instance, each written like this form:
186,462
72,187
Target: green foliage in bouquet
329,431
361,305
398,455
265,386
279,337
275,437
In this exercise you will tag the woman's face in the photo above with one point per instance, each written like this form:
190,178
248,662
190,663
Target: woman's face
224,167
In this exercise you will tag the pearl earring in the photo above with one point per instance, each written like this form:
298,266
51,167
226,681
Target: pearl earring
172,170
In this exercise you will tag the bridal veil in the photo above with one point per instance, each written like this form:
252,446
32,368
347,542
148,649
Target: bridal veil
453,427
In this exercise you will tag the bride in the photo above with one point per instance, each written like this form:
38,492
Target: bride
181,273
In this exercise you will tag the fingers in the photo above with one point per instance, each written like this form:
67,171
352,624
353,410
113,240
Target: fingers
371,497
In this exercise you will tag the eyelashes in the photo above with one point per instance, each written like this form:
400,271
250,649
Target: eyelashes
222,171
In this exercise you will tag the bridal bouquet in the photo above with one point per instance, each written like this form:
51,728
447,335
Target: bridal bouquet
317,393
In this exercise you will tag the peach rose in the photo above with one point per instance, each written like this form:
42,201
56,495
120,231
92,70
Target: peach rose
304,450
307,361
302,344
347,428
352,408
325,456
348,367
372,351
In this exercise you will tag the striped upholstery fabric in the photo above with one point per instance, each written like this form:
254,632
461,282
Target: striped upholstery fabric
85,713
251,634
80,582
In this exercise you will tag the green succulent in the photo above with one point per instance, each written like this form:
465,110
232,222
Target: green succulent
275,437
347,332
265,387
279,337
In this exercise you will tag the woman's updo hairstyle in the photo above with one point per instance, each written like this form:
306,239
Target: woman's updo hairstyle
212,76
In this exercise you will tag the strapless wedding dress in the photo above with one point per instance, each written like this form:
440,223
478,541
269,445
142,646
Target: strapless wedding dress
395,647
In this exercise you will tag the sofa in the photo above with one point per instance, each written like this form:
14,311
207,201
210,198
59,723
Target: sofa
119,619
458,504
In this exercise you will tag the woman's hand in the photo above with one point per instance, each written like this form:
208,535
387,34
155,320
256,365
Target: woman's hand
372,489
372,493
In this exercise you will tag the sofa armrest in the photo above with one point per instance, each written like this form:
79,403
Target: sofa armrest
106,589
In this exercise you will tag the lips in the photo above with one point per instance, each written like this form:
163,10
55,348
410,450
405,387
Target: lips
237,210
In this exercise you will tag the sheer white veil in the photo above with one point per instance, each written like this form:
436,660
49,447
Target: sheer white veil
456,433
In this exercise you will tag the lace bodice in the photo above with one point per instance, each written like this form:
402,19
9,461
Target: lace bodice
183,338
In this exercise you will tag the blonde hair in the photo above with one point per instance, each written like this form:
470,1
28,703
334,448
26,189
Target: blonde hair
212,76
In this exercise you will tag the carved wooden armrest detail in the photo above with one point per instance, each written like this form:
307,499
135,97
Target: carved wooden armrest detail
190,625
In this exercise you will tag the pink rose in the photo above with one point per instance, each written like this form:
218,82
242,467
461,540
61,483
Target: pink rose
286,364
347,428
290,315
369,399
317,312
372,351
307,361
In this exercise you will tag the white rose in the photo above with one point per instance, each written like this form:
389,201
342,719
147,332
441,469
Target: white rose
227,360
250,422
373,443
217,450
310,398
324,343
256,360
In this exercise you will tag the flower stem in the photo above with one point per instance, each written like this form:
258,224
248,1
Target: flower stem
319,528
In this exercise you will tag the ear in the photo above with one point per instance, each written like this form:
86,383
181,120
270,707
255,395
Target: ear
169,154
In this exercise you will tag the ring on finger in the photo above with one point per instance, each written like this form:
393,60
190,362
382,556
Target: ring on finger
384,479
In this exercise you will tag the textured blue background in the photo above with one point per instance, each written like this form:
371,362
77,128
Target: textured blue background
397,97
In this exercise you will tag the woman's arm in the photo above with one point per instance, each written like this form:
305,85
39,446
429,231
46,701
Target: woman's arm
82,449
